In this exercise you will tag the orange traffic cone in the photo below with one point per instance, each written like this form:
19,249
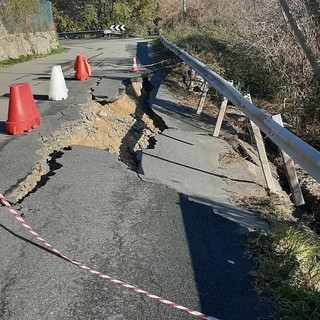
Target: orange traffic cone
23,114
135,66
81,68
88,67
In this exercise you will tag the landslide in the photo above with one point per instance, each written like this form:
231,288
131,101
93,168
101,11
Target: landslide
121,127
228,51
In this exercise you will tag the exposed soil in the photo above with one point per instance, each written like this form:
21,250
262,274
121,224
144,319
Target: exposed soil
121,127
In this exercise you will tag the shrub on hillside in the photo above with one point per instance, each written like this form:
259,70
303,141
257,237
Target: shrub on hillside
17,15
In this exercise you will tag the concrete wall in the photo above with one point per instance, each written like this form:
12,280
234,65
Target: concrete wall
16,45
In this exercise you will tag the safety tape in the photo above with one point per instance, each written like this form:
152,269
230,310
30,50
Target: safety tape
97,273
142,65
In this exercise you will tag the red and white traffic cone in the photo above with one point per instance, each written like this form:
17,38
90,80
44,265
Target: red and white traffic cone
135,65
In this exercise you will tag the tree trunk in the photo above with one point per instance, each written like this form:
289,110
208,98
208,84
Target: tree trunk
300,37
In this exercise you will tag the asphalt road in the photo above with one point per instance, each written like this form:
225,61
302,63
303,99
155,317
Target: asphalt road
141,228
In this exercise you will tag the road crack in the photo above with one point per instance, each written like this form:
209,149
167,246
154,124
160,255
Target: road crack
122,127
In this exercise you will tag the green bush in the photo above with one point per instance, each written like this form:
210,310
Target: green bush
80,15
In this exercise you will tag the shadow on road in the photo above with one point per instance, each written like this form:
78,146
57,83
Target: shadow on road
197,169
36,245
175,139
2,127
143,53
41,97
221,268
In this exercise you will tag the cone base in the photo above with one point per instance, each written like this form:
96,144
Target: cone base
15,128
57,97
82,77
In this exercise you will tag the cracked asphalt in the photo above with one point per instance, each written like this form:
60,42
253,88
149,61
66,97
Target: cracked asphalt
145,229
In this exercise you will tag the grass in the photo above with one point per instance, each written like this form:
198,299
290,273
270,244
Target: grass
21,59
287,265
58,50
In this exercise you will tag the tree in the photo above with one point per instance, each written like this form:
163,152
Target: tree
76,15
299,34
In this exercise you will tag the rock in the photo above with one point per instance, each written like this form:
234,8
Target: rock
14,46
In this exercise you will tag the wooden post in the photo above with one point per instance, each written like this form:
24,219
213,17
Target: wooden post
221,115
222,112
192,77
184,7
297,196
262,154
205,89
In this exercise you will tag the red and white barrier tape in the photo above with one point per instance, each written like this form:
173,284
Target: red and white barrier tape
141,65
97,273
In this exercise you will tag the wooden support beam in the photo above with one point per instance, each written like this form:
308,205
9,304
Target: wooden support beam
205,88
221,115
191,80
296,193
263,157
262,154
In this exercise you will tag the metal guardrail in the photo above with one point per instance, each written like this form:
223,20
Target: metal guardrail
305,155
81,33
104,32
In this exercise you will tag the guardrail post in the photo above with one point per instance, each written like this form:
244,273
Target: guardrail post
222,112
205,89
304,154
297,196
262,154
191,81
221,115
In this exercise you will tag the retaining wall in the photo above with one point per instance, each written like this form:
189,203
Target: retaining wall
13,46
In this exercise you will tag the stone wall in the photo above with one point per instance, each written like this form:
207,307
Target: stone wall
3,30
13,46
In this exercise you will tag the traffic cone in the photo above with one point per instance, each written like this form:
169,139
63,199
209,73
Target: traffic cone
135,66
23,114
88,66
81,68
37,116
58,89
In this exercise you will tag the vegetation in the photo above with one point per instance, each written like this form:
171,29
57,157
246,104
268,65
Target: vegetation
79,15
15,61
259,51
12,11
19,16
288,270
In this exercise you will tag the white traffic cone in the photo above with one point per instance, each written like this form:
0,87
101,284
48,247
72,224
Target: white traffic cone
58,89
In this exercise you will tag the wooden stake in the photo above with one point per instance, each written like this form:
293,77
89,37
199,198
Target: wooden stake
221,115
205,89
297,196
262,154
222,112
192,77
